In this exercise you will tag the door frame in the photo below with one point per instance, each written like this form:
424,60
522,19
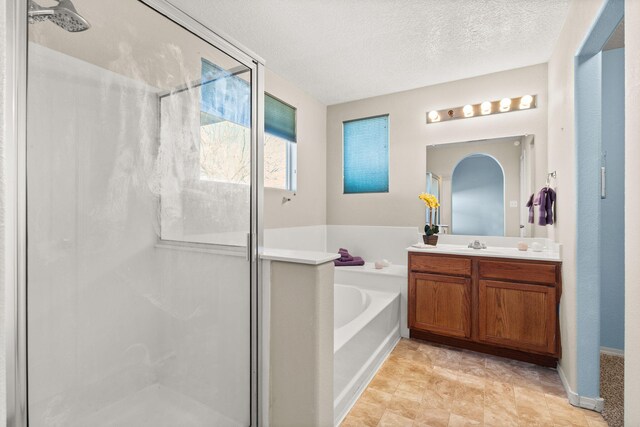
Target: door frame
588,112
15,239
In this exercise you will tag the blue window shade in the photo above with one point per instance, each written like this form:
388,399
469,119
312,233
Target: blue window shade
279,118
223,96
366,155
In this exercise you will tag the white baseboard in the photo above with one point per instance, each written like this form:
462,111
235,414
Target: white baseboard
612,351
592,403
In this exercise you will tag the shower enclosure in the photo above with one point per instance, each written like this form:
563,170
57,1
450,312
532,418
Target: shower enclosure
137,302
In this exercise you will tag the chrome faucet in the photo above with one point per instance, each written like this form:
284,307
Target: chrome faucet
477,245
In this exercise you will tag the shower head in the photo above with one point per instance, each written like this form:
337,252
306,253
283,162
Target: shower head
64,15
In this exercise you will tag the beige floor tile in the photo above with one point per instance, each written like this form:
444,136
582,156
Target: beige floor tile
431,417
439,392
594,422
497,371
530,397
470,393
469,410
549,375
499,393
418,371
351,422
413,385
375,397
386,384
411,356
448,373
553,388
471,380
534,415
413,395
406,407
459,421
496,417
563,414
423,385
592,416
391,419
408,343
365,414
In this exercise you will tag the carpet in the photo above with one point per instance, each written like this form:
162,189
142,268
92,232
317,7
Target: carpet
612,388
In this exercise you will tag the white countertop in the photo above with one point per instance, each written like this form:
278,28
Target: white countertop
298,257
490,252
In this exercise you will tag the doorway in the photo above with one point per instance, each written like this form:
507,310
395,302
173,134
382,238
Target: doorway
600,206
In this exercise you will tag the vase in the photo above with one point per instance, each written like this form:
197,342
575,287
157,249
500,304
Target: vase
430,240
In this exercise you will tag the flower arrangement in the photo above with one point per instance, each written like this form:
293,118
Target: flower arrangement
431,203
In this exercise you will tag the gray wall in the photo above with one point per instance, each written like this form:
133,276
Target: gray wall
612,230
409,135
309,206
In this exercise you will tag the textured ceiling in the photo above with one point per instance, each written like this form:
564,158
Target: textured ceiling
342,50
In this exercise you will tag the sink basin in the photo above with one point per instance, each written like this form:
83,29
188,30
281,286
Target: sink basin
478,251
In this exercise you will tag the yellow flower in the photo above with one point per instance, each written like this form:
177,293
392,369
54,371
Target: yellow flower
429,200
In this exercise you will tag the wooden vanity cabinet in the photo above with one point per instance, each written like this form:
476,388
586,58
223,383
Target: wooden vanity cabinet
442,304
505,307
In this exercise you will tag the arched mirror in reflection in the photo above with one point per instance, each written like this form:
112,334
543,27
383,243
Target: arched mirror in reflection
477,196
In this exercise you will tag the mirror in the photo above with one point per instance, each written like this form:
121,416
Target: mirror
483,185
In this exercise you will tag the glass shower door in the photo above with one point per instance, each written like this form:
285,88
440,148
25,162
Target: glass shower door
140,145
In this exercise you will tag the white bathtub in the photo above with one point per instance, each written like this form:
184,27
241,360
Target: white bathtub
367,327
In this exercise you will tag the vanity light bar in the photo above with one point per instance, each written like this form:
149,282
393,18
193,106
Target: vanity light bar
486,108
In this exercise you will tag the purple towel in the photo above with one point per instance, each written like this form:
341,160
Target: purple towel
356,261
545,200
344,255
550,200
530,206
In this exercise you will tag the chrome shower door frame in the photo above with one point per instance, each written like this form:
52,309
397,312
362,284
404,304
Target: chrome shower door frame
15,238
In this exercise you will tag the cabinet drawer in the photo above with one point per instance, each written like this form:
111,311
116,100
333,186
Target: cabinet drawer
440,264
518,271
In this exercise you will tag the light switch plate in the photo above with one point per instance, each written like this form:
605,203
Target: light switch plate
513,204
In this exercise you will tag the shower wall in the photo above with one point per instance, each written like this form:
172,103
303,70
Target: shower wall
93,281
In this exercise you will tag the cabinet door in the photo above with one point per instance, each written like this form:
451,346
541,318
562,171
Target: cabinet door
519,316
440,304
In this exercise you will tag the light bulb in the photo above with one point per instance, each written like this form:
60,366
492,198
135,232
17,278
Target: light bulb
525,102
485,107
434,116
467,110
505,104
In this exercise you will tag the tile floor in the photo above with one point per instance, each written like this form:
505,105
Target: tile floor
423,384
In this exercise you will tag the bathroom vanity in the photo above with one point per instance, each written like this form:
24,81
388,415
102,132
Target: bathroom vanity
503,303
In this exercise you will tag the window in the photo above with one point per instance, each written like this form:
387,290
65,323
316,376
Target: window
225,133
366,155
225,125
280,144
